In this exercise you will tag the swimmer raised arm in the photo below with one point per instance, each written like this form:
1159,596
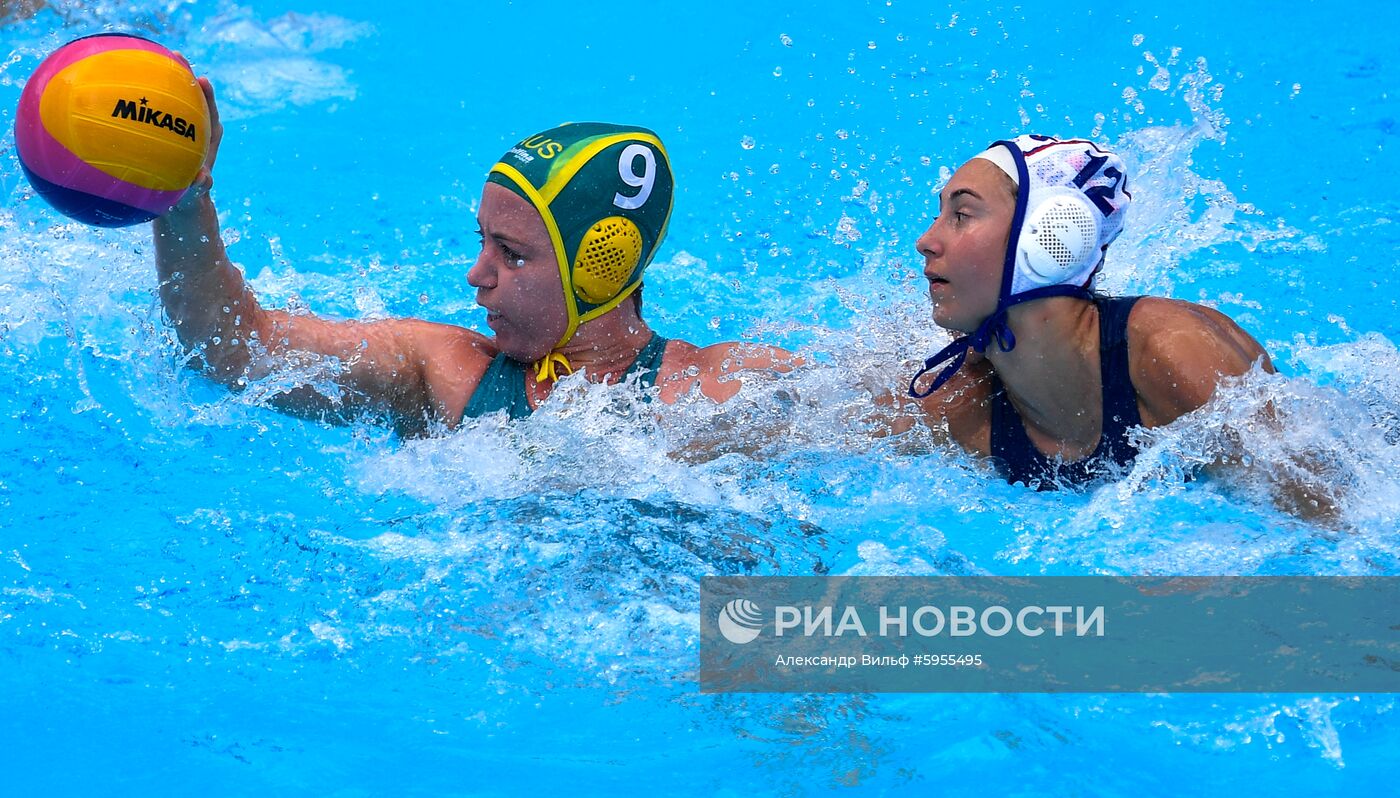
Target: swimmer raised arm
559,275
406,371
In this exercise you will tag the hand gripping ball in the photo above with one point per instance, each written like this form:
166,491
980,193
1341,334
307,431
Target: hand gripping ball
112,129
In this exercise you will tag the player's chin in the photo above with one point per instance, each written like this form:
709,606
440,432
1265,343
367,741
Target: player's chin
518,347
952,316
947,319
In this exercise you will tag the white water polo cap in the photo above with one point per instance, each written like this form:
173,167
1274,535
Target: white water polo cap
1071,197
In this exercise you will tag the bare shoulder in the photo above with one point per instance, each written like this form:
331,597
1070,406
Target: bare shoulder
719,369
449,360
453,359
1178,353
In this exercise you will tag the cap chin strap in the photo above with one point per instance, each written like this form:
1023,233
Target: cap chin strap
547,367
993,328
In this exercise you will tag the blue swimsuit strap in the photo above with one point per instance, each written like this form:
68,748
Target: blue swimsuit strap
1120,399
502,387
1015,455
648,361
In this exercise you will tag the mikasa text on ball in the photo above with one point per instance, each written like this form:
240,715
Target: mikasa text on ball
112,129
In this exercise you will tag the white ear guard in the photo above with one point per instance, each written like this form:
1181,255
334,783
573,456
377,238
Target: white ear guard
1059,239
1075,195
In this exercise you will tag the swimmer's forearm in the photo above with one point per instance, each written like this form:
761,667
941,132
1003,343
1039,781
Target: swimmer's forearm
204,294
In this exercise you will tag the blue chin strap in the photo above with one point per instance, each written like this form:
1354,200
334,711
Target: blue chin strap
994,327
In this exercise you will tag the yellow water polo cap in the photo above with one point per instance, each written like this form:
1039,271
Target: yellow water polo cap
605,194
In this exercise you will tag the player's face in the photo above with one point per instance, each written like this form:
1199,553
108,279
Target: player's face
516,276
965,247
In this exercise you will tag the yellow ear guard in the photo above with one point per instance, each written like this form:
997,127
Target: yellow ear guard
608,254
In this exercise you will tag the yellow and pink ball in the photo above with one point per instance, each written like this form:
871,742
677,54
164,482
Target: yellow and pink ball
112,129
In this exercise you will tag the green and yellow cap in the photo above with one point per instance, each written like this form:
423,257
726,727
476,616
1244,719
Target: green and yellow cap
605,193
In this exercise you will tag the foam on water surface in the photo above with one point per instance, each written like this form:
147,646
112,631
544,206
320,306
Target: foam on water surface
244,583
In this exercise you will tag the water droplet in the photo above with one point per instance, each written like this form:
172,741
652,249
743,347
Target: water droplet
1137,40
747,142
785,39
870,45
777,71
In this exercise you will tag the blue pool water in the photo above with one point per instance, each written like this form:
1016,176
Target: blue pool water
197,594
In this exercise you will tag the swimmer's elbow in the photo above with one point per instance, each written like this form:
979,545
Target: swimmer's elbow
224,362
217,335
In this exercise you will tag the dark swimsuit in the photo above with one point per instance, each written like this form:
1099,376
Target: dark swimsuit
502,387
1017,459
